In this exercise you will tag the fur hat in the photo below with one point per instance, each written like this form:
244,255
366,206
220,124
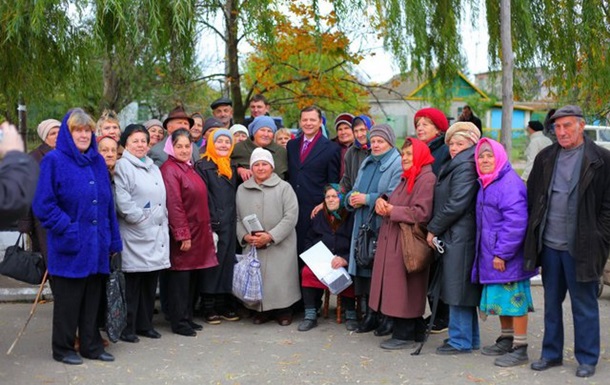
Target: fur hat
465,129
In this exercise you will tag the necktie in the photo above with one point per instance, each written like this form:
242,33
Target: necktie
305,145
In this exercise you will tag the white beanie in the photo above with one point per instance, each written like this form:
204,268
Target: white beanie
260,153
45,127
239,128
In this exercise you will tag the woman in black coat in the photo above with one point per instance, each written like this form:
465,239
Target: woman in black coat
221,180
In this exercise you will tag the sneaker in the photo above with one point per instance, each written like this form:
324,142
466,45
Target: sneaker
503,345
517,356
229,315
307,325
212,318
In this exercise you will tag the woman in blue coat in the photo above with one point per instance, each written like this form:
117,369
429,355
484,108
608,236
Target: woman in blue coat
378,175
501,224
74,203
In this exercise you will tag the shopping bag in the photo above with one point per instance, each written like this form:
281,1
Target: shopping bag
22,265
116,305
247,278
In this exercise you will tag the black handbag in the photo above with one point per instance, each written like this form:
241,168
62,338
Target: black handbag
366,242
116,303
22,265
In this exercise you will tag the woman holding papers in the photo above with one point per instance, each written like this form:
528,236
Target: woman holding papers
275,205
333,226
394,292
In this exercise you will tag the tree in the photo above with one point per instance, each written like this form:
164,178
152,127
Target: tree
305,66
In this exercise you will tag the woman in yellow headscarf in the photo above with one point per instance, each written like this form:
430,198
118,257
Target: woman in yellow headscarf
215,169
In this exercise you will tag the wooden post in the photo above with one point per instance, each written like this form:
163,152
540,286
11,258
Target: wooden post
23,127
507,76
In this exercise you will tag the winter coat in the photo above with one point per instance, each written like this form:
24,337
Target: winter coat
275,204
592,238
243,150
74,203
18,176
159,156
395,292
440,152
501,217
141,208
538,141
453,222
221,202
390,169
308,178
189,217
354,157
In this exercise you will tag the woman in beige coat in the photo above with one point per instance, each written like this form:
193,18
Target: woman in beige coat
275,205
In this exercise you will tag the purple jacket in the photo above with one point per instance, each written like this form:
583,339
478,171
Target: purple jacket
501,217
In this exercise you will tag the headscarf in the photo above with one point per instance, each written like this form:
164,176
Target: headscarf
499,152
421,157
169,146
368,123
222,162
336,217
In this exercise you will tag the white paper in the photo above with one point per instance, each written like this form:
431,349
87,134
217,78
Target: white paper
319,259
252,224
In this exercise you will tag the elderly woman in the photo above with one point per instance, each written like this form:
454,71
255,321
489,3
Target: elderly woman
394,292
501,225
262,131
192,243
355,155
430,127
275,205
197,130
221,180
108,125
156,132
108,149
345,135
140,202
74,204
333,226
453,223
239,132
378,175
47,131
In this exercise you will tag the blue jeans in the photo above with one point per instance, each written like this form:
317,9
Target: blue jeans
464,327
558,277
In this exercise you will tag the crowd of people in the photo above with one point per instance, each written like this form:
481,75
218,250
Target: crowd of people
167,199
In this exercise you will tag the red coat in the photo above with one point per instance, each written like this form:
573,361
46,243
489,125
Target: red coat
394,292
189,217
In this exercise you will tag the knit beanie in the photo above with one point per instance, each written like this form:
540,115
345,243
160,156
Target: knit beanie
436,116
535,125
464,129
385,132
260,122
45,127
222,132
344,118
211,123
152,122
260,153
239,128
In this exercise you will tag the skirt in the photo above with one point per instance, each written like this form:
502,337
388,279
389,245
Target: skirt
513,299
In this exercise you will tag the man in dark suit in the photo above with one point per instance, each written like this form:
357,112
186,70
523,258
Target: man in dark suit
313,162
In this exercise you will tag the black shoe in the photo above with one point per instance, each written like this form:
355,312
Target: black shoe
396,344
585,370
195,326
152,333
70,359
132,338
446,349
307,324
185,331
369,323
229,315
544,364
386,327
351,324
106,357
503,345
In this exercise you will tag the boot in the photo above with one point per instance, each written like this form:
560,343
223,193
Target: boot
351,320
386,327
503,345
517,356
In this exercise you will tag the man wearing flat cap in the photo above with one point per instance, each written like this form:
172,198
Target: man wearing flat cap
176,119
568,235
222,109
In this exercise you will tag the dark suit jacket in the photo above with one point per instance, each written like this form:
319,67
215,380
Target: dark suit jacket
308,179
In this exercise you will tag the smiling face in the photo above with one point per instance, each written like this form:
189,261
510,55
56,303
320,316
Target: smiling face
182,149
197,129
258,108
379,145
458,144
156,135
261,171
222,145
345,134
263,137
137,144
108,148
224,114
486,162
360,133
425,130
82,137
110,128
310,123
407,157
331,199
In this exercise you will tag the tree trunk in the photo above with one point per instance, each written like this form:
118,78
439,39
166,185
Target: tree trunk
111,85
507,75
232,59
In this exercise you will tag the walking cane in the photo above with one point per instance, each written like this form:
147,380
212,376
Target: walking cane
32,311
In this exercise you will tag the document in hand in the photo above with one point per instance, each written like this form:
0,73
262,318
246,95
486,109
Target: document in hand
318,258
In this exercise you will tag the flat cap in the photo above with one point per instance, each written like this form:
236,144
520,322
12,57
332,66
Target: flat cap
221,102
568,110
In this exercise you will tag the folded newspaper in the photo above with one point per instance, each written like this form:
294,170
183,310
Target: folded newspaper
319,259
252,224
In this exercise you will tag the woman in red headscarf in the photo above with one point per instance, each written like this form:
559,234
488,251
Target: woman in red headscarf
394,292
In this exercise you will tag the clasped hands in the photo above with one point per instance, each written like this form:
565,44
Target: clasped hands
259,240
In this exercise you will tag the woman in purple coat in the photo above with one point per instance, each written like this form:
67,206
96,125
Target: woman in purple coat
501,224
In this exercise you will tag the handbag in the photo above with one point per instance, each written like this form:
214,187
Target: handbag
22,265
247,278
366,242
416,253
116,304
